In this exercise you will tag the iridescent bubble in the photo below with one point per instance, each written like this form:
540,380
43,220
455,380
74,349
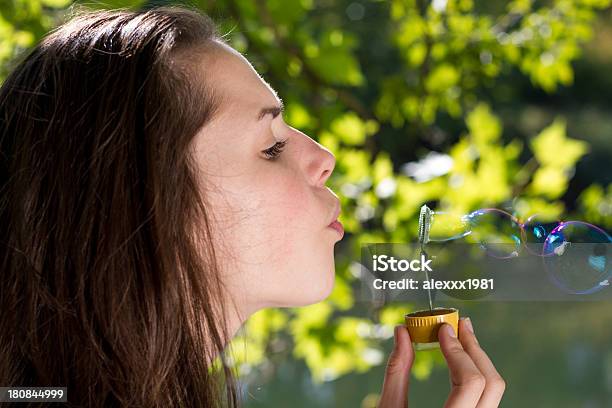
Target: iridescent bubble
496,231
577,257
535,231
447,226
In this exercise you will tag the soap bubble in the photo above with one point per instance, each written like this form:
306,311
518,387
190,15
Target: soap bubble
577,257
535,231
447,226
496,231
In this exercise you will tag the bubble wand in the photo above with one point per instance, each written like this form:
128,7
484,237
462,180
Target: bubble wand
425,218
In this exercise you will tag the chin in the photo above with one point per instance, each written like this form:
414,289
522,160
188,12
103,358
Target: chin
330,279
322,294
311,291
322,290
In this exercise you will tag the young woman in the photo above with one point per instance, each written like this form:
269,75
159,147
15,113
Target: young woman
152,199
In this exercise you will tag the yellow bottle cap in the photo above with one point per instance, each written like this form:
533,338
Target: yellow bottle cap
423,325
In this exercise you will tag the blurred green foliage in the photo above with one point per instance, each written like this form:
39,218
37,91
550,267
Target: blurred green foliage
443,55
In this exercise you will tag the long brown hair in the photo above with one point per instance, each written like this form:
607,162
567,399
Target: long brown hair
105,287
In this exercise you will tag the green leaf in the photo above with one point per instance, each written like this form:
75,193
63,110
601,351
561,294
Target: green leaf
349,128
297,115
544,208
112,4
342,295
484,127
553,148
549,181
337,66
286,12
393,314
56,3
596,203
382,167
442,78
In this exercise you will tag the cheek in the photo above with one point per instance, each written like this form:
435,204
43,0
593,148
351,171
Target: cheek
266,216
290,201
282,217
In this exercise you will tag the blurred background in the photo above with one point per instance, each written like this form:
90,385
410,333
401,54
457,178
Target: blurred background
457,104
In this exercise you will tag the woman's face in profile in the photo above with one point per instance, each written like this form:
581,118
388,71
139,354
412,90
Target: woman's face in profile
270,216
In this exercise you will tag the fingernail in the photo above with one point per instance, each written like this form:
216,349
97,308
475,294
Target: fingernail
450,330
468,324
395,334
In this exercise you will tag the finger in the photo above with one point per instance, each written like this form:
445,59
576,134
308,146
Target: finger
495,385
397,374
467,382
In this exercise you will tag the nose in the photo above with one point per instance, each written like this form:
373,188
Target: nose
320,162
327,165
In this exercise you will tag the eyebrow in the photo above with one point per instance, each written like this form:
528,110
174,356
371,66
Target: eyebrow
274,110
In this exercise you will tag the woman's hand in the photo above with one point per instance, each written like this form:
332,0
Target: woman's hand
474,380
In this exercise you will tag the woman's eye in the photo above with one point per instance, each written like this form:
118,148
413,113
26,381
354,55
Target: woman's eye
273,152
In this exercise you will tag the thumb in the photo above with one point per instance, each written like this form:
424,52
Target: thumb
397,374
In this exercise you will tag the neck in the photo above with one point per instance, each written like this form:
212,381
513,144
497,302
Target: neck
236,315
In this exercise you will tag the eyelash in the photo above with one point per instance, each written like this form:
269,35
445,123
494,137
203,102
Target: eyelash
276,149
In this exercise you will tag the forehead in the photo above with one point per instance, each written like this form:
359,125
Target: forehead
242,89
